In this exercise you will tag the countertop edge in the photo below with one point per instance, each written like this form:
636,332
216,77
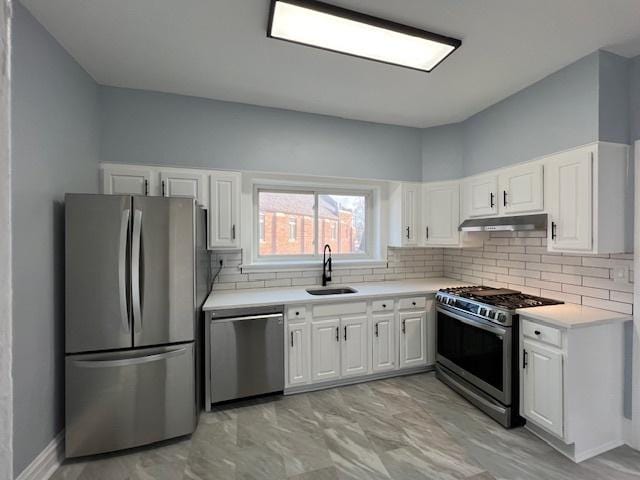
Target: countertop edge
540,317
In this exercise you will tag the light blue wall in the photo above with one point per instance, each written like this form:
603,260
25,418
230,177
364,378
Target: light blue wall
614,105
558,112
442,152
156,128
55,148
634,87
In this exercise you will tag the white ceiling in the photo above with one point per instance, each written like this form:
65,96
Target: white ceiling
218,49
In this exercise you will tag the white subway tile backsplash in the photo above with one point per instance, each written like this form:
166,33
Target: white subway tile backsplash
568,277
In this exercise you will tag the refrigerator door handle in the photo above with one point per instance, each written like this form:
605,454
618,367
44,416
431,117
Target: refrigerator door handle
122,270
125,362
135,270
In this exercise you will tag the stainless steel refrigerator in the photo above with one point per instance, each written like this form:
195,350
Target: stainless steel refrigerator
136,276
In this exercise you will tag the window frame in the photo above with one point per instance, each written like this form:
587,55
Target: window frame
367,192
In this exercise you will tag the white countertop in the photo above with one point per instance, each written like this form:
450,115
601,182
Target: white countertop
296,295
569,315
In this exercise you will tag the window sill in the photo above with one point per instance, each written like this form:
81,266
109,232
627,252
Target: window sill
311,265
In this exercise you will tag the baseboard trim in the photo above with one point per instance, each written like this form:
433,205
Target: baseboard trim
311,387
47,461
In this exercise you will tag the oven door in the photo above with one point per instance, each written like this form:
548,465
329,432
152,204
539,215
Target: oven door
477,350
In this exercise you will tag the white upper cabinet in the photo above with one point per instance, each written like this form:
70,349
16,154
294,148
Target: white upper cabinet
521,189
184,183
570,200
441,213
128,180
481,196
586,199
404,214
224,210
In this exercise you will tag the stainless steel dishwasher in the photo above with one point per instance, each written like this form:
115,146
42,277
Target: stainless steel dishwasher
245,353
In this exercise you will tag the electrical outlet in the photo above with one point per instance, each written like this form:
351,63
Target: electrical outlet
621,274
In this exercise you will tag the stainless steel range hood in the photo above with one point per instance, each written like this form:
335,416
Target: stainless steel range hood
505,224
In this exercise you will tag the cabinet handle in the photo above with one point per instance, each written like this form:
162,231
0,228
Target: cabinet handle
163,188
404,326
345,334
491,201
297,313
504,197
537,332
376,329
427,232
553,231
384,305
292,339
337,334
525,356
146,187
233,232
413,303
408,230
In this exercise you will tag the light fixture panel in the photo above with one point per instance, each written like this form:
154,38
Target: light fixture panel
324,26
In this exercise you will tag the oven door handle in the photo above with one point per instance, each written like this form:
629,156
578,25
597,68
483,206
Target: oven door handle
489,328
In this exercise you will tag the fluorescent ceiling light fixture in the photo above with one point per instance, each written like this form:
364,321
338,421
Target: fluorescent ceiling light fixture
320,25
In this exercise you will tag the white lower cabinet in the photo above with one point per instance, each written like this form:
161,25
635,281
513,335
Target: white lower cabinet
327,343
354,346
571,385
384,342
413,344
542,398
298,351
325,349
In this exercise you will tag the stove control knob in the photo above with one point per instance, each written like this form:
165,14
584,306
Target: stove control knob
491,314
482,311
501,317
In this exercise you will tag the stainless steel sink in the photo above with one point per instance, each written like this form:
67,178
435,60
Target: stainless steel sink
331,291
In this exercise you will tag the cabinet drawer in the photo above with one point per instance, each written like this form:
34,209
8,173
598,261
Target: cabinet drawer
294,313
339,309
382,305
542,333
413,302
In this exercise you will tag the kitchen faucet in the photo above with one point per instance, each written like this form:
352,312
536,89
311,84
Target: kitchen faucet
326,262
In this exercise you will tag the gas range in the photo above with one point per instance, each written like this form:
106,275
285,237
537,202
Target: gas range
497,305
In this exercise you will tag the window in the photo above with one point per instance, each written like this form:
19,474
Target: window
293,229
261,228
300,223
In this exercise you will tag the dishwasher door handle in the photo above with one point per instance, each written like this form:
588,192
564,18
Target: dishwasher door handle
250,317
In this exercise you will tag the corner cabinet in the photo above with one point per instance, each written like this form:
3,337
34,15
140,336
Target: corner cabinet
441,213
224,211
585,199
571,384
404,214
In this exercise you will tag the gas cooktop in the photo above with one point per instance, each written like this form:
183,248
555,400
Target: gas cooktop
499,297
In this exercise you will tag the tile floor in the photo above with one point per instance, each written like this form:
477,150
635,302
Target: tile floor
405,428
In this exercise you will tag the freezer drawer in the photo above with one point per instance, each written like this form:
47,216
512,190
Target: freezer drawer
247,356
130,398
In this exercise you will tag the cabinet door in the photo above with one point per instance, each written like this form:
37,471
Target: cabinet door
410,213
125,180
542,387
325,349
441,207
384,342
481,196
224,209
354,347
568,183
184,184
521,189
299,353
412,339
